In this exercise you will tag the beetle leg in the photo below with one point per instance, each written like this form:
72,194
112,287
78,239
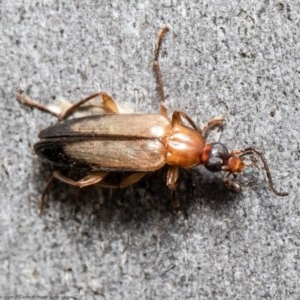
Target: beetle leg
45,190
157,71
172,177
177,119
109,105
91,179
97,177
88,180
129,180
211,124
231,184
27,101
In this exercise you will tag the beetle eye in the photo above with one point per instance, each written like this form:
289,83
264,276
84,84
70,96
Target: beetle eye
218,157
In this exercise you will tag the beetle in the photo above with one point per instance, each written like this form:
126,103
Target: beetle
136,144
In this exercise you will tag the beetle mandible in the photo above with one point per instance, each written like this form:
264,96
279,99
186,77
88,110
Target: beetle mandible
136,143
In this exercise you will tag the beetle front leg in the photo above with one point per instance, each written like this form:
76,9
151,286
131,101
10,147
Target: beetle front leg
211,124
172,177
177,119
231,184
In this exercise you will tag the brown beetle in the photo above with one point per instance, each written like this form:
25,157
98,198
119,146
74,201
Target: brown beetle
135,143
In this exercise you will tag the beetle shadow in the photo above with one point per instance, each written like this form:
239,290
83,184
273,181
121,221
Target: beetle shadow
208,189
140,203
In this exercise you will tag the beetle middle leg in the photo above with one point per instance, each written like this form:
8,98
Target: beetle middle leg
109,105
128,180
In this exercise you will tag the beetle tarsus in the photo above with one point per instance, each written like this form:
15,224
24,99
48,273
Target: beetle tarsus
44,193
176,207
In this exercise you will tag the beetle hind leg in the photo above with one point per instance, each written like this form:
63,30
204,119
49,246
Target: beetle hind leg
29,102
91,179
86,181
61,113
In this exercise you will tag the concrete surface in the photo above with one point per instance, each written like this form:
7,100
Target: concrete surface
236,58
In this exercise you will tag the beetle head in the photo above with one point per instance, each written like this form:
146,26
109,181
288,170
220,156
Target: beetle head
218,158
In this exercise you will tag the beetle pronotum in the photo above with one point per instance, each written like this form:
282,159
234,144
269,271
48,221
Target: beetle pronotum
136,143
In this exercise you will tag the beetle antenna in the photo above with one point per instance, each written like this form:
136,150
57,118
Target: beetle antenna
258,153
157,71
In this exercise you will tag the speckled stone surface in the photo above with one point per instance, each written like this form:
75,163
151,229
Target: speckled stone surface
239,59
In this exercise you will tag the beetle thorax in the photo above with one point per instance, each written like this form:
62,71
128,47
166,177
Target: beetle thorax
184,146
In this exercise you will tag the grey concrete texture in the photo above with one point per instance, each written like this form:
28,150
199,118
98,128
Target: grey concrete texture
234,58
